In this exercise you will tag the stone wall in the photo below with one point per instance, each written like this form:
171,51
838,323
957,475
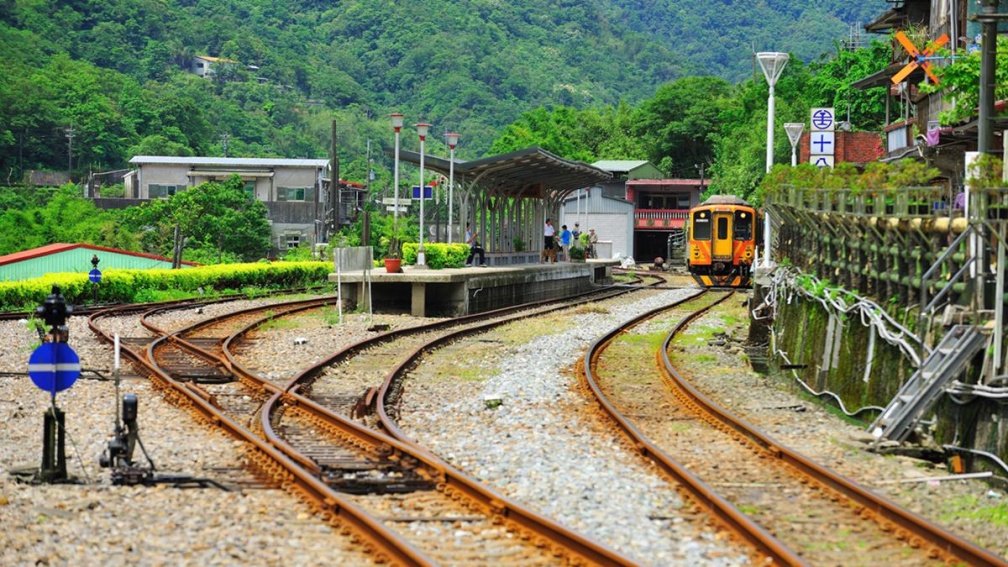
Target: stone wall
838,354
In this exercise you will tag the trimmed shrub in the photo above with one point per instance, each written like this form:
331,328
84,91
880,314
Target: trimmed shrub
135,286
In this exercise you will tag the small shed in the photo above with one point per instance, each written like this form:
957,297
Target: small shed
611,217
63,258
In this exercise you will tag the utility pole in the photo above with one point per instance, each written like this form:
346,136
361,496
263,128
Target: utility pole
70,137
332,207
988,18
365,210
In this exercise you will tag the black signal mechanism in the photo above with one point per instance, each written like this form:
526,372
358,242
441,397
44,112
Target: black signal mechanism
54,311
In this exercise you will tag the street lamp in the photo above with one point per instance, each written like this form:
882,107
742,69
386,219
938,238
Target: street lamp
772,63
421,129
397,123
794,131
452,142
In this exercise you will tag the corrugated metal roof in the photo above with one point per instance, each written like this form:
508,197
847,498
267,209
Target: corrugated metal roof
228,162
619,165
515,173
221,173
684,182
51,249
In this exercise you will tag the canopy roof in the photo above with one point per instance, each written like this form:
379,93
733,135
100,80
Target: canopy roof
532,172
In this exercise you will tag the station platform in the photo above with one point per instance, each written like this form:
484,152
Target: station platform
452,292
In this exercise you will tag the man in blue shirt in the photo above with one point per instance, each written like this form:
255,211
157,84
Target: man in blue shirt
565,240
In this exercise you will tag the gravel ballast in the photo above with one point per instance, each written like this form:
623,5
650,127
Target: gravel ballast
522,448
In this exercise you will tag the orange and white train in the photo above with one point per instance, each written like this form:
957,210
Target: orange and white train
723,235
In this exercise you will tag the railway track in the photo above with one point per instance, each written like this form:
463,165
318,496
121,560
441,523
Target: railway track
385,489
788,508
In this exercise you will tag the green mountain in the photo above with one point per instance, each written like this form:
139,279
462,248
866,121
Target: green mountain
91,82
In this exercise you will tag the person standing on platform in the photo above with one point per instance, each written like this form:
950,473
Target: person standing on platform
576,233
549,252
592,239
474,246
565,241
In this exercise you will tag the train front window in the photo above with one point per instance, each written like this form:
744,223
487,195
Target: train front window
743,225
722,228
701,225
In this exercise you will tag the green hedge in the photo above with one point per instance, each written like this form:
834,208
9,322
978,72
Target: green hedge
438,255
129,286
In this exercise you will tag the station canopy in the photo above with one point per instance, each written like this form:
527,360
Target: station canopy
529,173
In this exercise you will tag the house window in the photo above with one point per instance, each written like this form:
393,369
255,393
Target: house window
250,187
682,202
156,191
291,193
292,240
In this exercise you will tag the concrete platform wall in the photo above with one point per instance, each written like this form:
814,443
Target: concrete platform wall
454,292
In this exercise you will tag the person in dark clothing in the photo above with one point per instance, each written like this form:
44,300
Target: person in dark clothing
474,246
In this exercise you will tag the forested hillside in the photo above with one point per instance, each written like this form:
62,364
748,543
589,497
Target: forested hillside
88,83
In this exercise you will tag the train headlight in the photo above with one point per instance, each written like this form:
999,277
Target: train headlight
748,253
696,251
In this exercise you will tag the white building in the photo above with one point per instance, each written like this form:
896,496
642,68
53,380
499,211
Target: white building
292,189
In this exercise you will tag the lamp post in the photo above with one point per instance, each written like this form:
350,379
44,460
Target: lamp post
397,123
452,142
794,131
421,129
772,63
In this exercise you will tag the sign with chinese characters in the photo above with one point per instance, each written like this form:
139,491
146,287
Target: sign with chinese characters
821,161
822,137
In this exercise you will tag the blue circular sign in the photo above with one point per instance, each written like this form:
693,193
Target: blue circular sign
54,367
94,275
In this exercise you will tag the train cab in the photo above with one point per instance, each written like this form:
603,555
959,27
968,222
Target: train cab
722,241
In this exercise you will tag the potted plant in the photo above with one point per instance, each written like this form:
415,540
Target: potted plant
393,257
392,240
577,254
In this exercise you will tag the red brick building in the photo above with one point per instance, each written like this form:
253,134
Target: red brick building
854,147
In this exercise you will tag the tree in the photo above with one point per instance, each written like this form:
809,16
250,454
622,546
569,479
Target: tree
829,85
556,130
680,123
220,217
960,82
62,216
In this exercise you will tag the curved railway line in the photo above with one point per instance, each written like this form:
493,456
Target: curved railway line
788,508
328,433
340,466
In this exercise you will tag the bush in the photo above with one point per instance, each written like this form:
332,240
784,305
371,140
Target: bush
135,286
438,255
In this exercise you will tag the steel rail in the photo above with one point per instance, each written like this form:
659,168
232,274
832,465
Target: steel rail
941,540
392,545
474,489
306,479
720,508
491,502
